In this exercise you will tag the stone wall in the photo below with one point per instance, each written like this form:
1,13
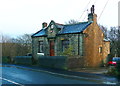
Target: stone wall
75,62
58,62
61,62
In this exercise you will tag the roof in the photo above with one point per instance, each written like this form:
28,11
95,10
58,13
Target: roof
42,32
59,25
65,29
106,40
74,28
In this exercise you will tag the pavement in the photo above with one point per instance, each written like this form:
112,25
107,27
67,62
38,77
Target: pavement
94,74
101,70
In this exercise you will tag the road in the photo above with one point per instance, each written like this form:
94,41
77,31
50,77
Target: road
20,77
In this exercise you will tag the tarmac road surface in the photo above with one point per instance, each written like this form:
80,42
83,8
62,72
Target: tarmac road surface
20,77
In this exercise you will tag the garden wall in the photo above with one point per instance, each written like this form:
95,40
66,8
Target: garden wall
75,62
58,62
27,60
61,62
53,61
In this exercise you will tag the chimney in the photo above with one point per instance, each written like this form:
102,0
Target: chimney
44,24
92,16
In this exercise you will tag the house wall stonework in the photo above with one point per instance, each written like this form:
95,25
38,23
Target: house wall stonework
96,50
75,41
106,50
35,46
89,45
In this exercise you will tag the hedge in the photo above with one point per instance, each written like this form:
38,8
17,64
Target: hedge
5,59
118,69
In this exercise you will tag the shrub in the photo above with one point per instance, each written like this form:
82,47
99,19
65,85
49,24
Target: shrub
5,60
112,71
68,51
118,68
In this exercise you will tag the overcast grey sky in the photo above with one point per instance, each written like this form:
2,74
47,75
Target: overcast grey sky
18,17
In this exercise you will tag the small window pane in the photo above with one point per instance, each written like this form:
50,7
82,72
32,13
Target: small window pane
65,44
40,47
100,49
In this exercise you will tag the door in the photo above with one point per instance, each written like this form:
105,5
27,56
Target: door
51,47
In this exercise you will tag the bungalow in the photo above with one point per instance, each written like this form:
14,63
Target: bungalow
84,40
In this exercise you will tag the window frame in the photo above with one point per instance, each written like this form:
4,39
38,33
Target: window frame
40,46
65,44
100,49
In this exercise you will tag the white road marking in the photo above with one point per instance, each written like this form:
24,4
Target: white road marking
11,81
63,74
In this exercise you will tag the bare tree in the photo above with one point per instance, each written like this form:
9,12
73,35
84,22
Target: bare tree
12,47
8,48
114,36
24,44
72,21
105,31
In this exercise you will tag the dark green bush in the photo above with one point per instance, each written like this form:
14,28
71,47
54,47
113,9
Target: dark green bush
114,71
5,59
118,68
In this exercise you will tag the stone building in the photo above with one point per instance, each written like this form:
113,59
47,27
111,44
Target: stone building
85,38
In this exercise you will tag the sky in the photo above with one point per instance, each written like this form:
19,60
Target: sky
18,17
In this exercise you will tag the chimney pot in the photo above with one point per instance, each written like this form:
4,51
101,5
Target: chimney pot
92,16
44,24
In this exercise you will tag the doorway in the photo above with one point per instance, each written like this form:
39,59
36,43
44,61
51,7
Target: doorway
52,53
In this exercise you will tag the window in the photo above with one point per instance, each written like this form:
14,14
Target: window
65,44
100,49
40,47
